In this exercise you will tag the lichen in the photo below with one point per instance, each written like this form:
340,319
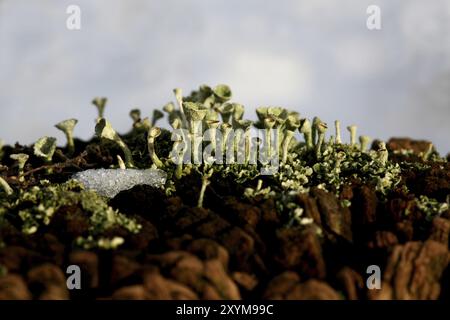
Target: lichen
307,160
431,207
37,206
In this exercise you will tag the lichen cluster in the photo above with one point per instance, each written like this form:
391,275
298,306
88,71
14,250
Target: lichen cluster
307,158
36,207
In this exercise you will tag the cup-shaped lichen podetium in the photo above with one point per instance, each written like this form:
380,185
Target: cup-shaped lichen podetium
180,139
104,130
226,111
352,129
337,127
222,93
382,153
21,159
261,112
44,148
278,112
280,126
314,127
67,127
169,108
238,112
292,123
212,114
205,95
179,97
173,114
212,126
321,128
264,112
100,104
135,115
153,133
245,126
156,116
364,143
225,129
269,123
305,129
195,113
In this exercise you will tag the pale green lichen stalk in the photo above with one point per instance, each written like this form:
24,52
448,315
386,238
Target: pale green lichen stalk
157,115
382,153
135,115
321,129
305,129
100,104
5,186
67,127
153,133
352,130
195,113
205,182
21,159
104,130
45,148
337,126
121,163
179,97
364,142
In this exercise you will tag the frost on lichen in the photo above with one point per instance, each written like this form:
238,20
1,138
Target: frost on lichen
109,182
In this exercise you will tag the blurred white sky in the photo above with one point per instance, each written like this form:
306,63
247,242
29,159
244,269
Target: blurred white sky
314,56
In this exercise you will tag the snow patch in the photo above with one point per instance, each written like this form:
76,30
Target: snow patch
109,182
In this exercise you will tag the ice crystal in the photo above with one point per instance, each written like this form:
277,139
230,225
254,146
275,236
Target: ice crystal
109,182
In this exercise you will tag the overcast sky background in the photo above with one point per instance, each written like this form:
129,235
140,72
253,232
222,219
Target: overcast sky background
316,57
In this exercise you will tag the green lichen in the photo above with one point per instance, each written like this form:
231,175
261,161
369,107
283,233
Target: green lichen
104,130
37,206
307,159
5,187
21,159
90,242
305,162
338,165
67,127
45,148
431,207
